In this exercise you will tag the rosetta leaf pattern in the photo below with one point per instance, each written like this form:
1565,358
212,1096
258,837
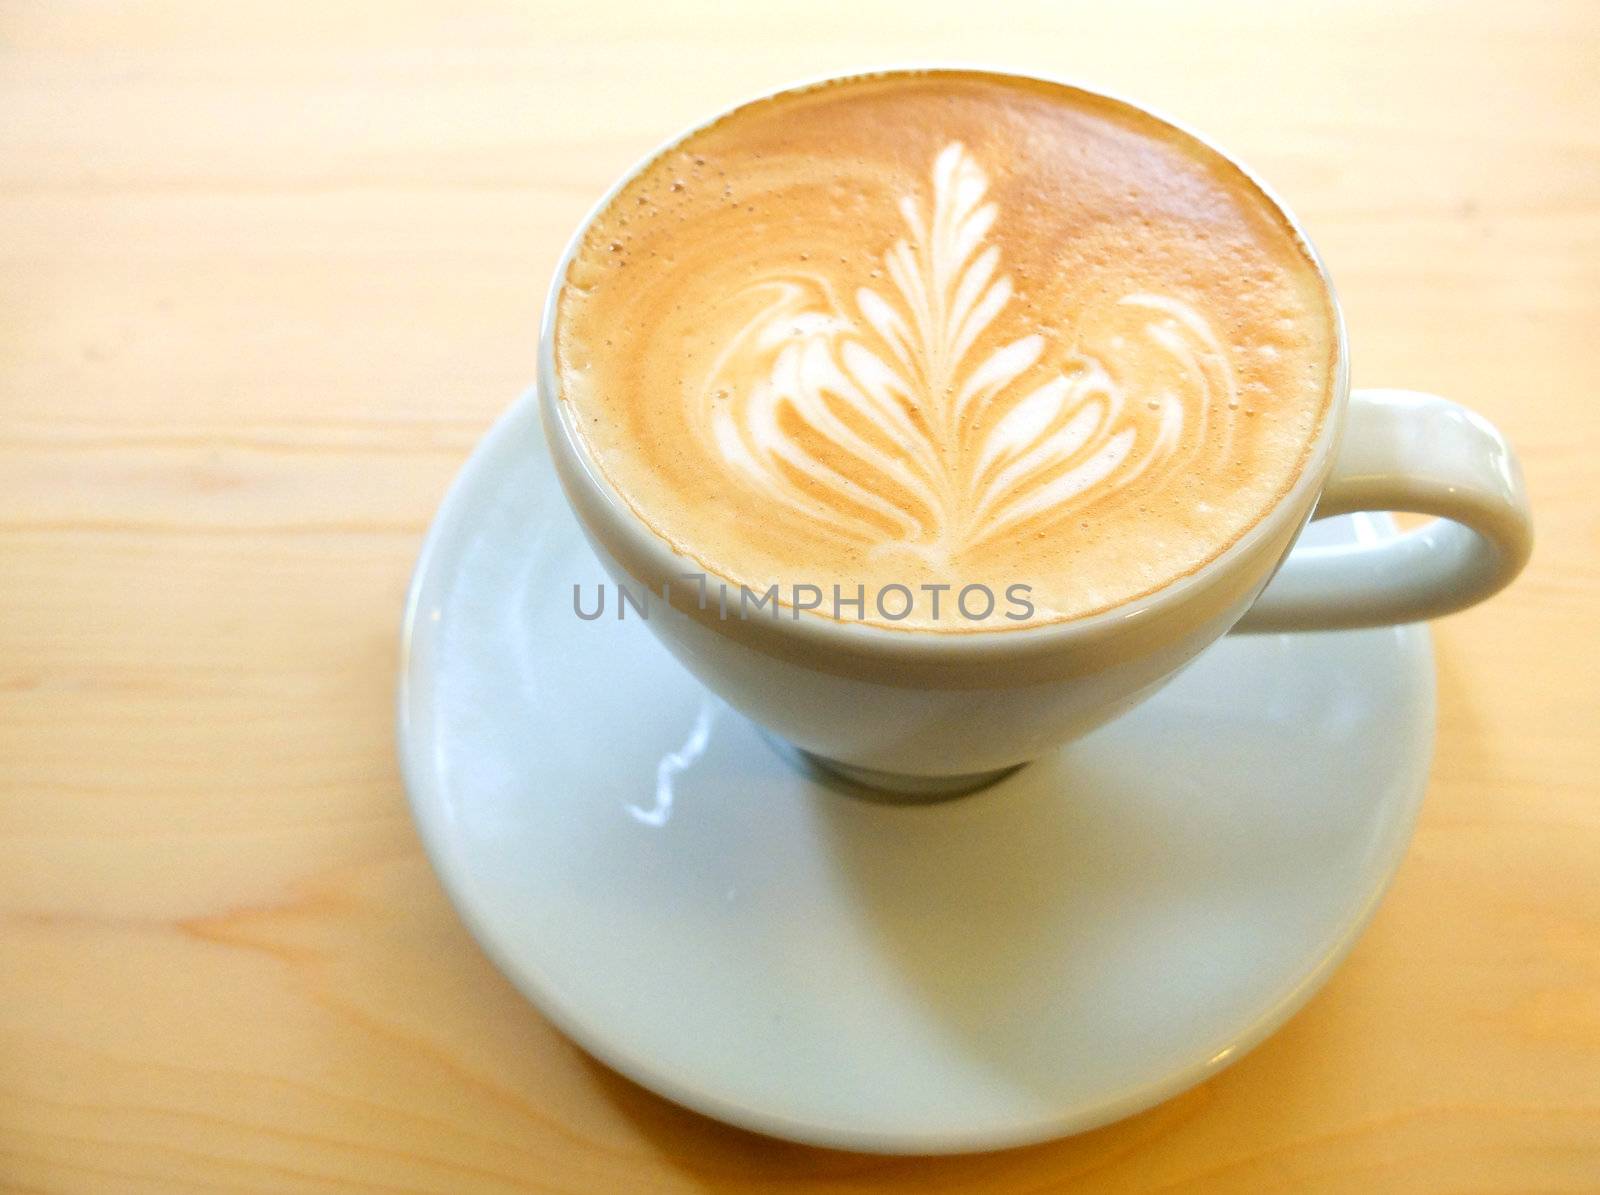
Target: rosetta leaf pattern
860,417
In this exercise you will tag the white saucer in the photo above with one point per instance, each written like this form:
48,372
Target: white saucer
1095,933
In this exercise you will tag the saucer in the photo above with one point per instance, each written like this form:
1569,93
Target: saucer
687,900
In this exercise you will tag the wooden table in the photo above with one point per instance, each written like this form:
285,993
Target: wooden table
266,274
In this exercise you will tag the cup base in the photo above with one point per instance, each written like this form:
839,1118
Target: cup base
899,787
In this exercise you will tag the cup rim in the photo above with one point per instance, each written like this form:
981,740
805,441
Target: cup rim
924,645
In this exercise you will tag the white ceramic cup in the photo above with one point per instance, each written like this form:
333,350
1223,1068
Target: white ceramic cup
934,713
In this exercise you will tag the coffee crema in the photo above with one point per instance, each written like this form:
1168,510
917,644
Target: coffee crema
946,328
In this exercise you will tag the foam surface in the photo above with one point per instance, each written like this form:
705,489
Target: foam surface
946,328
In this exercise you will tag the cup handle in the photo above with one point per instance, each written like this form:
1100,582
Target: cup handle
1404,450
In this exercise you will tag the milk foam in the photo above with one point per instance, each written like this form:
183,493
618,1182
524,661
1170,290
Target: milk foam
1039,451
842,347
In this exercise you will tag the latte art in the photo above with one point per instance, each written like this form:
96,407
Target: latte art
932,330
885,425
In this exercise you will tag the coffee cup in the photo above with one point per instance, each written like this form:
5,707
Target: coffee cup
921,709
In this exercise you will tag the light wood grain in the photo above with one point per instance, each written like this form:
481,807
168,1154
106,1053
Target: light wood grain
267,272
